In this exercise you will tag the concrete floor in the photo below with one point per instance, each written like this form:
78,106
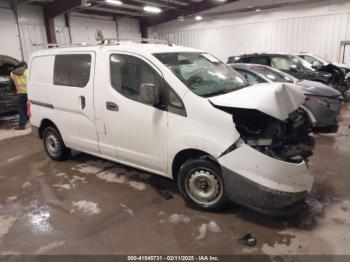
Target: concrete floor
90,206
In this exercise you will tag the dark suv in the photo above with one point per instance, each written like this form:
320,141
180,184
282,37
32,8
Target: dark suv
8,98
289,64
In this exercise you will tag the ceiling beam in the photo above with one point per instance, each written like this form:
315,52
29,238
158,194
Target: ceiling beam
124,6
111,11
156,3
59,7
195,7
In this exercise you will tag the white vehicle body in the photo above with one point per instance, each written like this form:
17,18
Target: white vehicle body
98,120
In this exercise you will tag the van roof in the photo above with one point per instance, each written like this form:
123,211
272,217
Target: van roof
128,47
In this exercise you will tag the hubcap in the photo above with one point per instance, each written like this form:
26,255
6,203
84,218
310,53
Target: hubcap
52,144
204,186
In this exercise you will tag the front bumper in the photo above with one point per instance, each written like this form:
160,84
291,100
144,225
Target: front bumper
263,183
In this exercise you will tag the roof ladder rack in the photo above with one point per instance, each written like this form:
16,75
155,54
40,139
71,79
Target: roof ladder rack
107,41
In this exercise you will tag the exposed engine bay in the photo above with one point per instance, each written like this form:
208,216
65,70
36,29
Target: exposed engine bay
287,140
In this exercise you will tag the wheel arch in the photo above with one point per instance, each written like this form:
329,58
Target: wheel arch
187,154
44,124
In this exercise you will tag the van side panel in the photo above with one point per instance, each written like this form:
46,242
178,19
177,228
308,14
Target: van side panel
39,89
70,108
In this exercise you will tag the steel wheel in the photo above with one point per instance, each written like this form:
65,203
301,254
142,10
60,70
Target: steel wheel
204,186
52,144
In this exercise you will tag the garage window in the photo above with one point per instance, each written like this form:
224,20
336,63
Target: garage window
72,70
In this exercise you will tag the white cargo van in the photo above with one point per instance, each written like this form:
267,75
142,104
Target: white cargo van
179,113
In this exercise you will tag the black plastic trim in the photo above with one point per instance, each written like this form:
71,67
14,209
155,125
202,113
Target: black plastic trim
37,103
260,198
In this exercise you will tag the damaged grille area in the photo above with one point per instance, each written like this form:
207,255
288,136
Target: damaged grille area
287,140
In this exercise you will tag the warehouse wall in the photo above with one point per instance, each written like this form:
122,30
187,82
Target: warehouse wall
31,28
316,27
9,35
17,40
62,30
84,27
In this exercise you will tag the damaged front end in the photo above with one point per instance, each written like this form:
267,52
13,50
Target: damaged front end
266,169
338,77
288,140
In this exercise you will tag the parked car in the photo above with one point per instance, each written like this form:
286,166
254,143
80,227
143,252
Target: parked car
318,61
179,113
341,71
8,99
295,66
323,101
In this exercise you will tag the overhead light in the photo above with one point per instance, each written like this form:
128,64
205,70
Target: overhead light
181,18
152,9
258,10
114,2
198,18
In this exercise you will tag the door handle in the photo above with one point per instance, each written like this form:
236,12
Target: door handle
112,106
82,102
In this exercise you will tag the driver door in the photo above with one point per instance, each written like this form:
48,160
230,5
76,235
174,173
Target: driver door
135,130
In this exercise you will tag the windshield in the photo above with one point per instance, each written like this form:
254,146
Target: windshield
202,73
274,75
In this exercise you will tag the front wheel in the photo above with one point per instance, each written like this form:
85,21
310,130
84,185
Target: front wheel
201,185
54,145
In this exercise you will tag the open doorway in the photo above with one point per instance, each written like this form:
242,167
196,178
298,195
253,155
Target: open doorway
345,52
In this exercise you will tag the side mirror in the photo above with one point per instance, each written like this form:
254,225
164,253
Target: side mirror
293,68
150,94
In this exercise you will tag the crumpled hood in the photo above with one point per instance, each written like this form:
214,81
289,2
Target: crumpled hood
318,89
345,66
275,99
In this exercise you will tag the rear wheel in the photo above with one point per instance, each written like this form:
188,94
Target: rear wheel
201,185
54,145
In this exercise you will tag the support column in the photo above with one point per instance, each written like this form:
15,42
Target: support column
49,25
143,28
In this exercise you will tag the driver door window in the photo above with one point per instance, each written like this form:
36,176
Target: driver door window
309,59
128,73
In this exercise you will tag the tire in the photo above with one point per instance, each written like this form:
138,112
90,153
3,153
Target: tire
201,185
54,145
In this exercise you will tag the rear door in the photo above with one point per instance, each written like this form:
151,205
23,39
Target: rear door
72,97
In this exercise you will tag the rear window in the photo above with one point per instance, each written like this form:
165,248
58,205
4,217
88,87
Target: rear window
72,70
261,60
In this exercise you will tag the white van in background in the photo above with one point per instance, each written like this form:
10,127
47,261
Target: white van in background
179,113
